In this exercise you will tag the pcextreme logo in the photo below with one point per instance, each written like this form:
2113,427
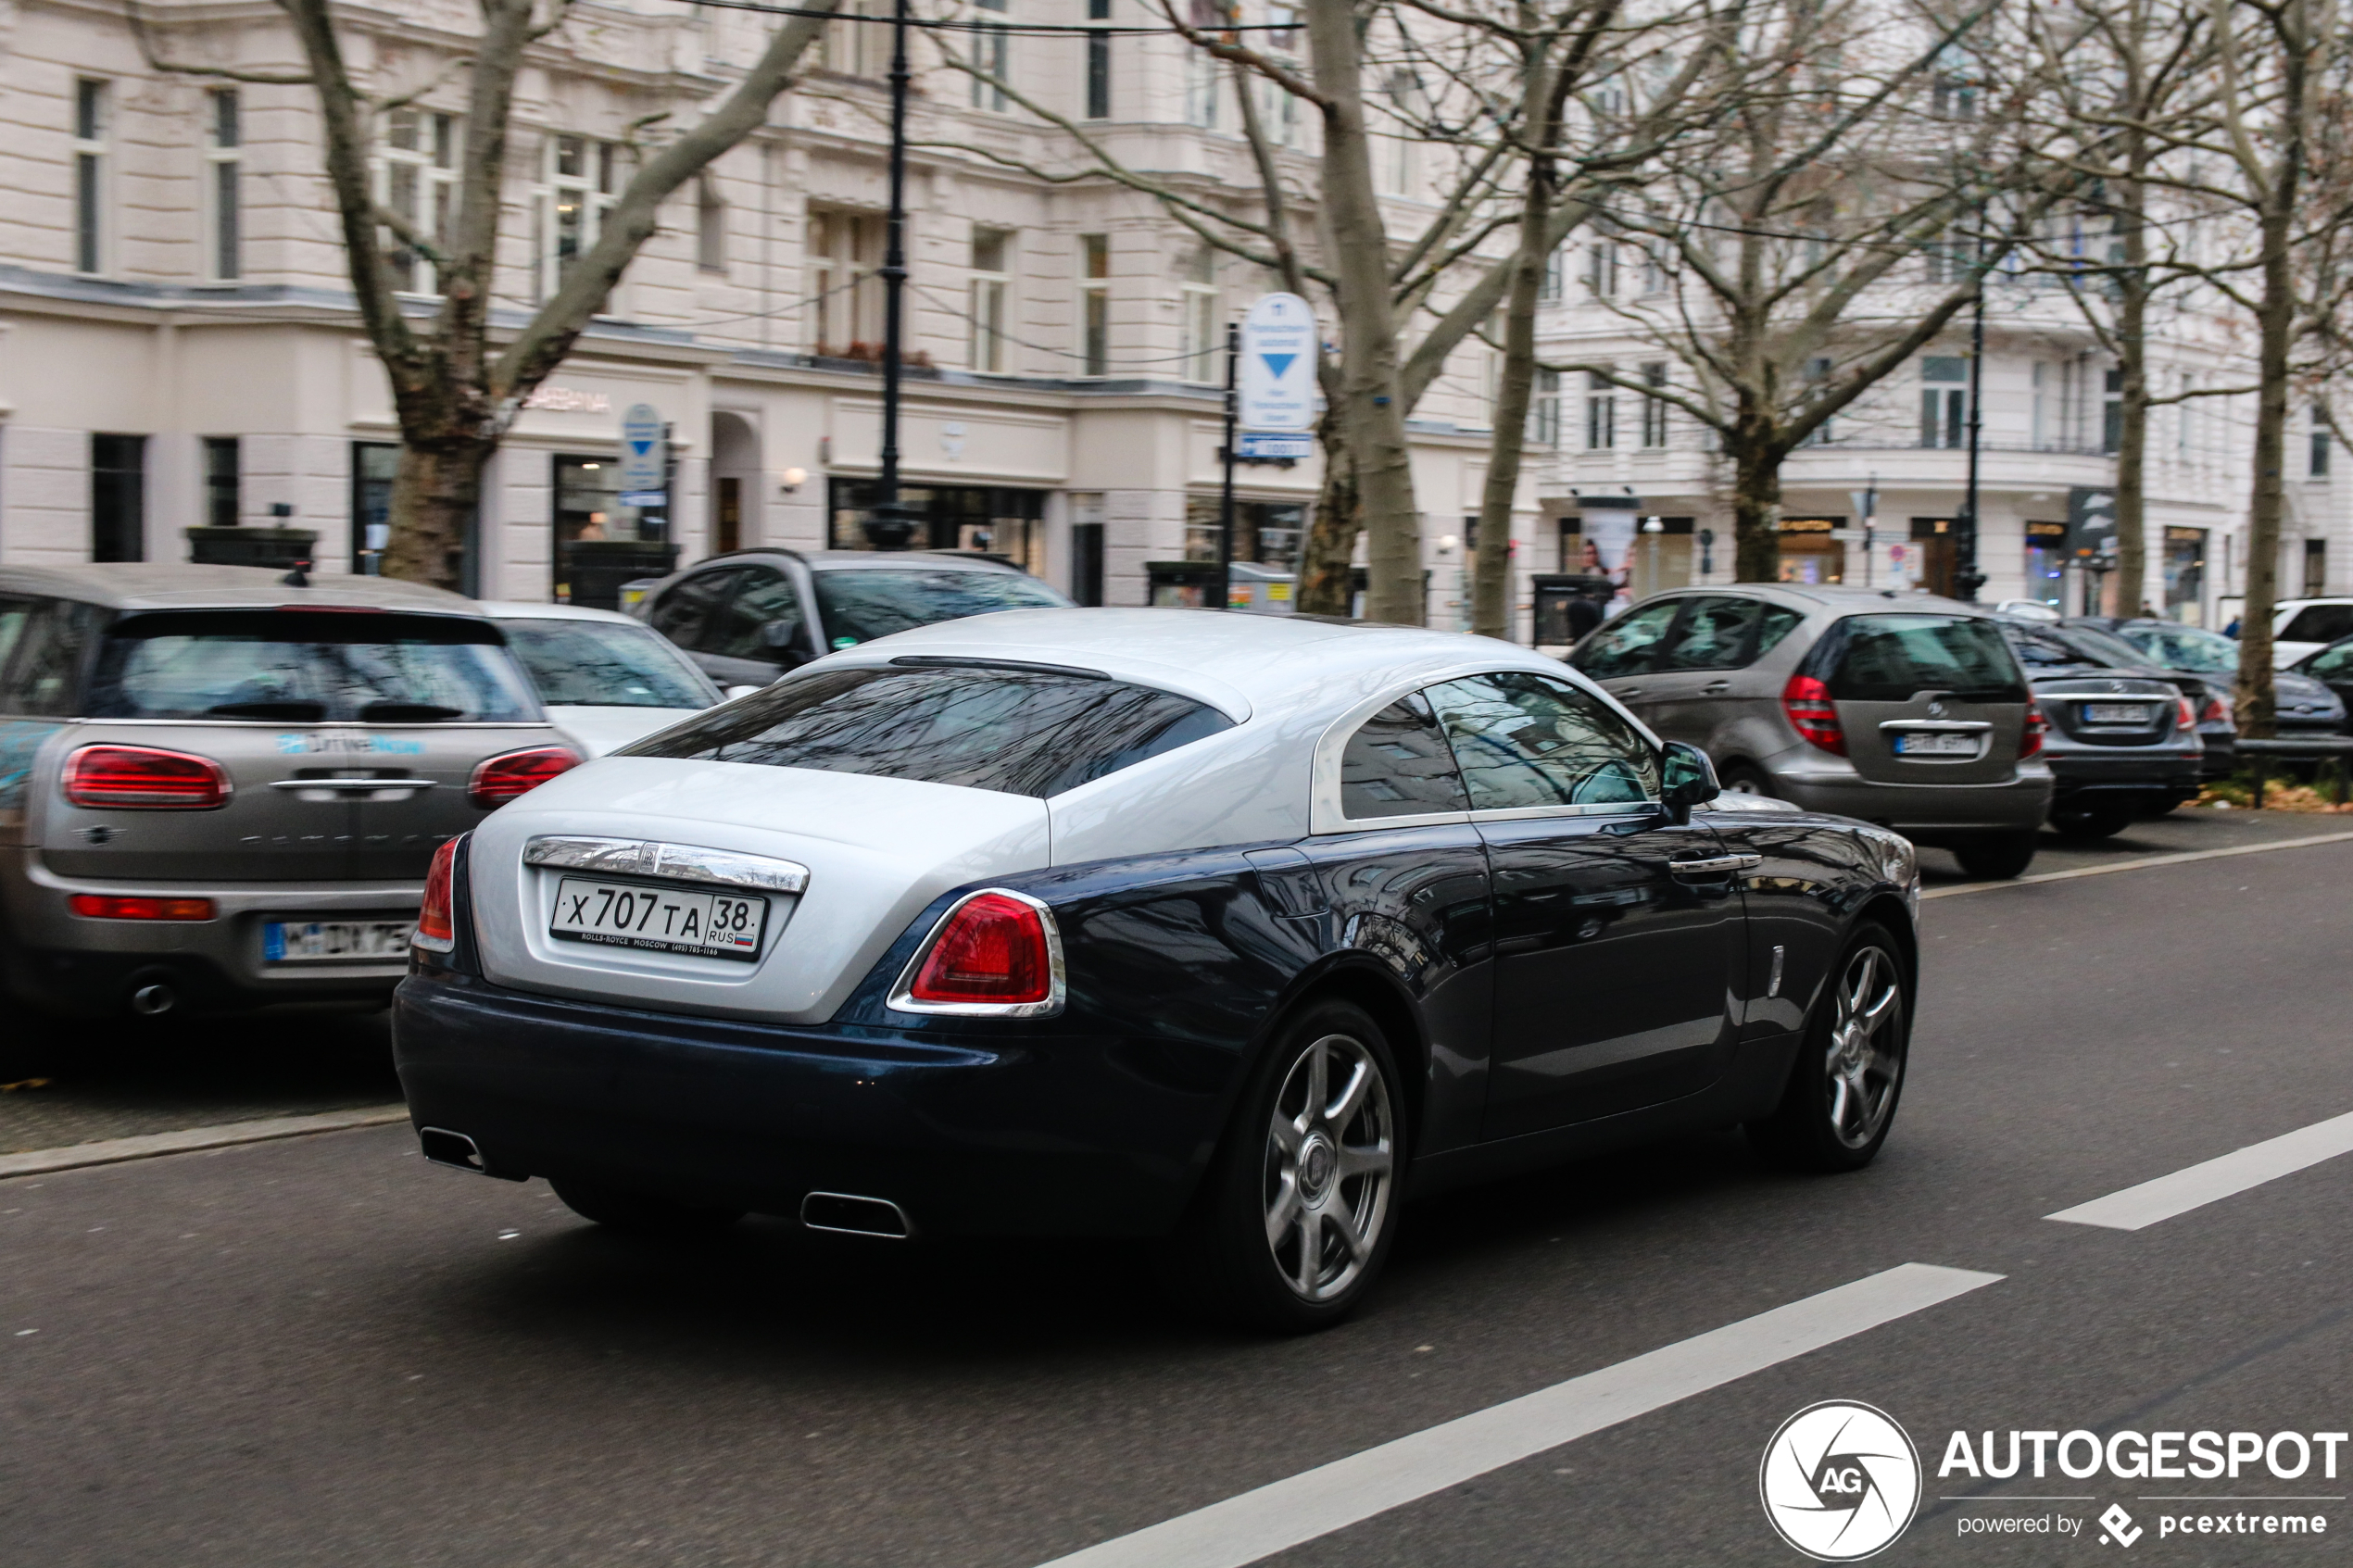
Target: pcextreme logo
1840,1480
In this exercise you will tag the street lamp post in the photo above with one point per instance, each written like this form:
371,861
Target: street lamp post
1967,579
890,523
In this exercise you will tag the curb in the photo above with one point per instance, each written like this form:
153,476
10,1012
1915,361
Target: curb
189,1140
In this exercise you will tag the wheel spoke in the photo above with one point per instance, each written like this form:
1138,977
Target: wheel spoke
1867,962
1366,1160
1311,1251
1351,1098
1283,1212
1879,1011
1318,1073
1343,1220
1286,1133
1837,1103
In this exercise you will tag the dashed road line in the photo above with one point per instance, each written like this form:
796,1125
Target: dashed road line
1316,1502
2184,859
189,1140
2136,1208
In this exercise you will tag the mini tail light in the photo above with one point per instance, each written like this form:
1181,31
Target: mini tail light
500,779
2029,738
1813,715
437,922
996,952
2187,714
2215,712
107,906
141,778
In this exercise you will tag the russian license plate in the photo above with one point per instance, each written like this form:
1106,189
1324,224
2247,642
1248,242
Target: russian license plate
313,941
1936,743
663,920
2116,713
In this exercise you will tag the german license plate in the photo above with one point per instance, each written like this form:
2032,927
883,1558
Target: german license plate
661,919
1934,743
346,941
2116,713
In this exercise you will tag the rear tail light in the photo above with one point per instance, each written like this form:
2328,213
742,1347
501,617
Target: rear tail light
106,905
2215,712
141,778
2029,738
995,953
500,778
1813,715
437,922
2188,715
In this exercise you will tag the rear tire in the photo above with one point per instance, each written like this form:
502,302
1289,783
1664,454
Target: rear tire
1747,777
641,1214
1996,858
1843,1087
2093,821
1300,1206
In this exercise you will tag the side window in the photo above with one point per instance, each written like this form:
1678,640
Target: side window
685,614
2036,652
2335,664
1522,740
44,676
13,615
762,594
1397,764
1775,623
1714,635
1624,647
2319,623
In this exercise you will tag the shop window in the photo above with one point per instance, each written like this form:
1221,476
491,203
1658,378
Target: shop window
1811,552
1267,533
1001,523
1087,548
117,497
2316,568
220,482
600,542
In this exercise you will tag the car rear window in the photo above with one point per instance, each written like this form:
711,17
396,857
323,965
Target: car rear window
1020,731
2320,623
1893,657
294,667
1397,764
859,605
605,664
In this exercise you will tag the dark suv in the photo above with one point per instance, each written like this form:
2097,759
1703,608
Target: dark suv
748,616
218,791
1909,711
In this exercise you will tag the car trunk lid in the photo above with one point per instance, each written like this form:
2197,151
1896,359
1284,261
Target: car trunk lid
1926,698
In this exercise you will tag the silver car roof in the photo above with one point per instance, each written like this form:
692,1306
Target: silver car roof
183,585
877,560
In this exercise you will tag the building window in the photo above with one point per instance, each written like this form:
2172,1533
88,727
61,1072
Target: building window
1202,336
583,179
1548,289
417,180
991,271
710,227
1944,406
993,57
1655,272
1950,259
90,177
2316,568
374,465
220,476
1200,89
1094,303
1544,409
1600,412
1953,96
1818,375
1404,91
1099,61
1600,269
857,44
224,157
1654,407
2317,459
117,497
2112,413
1087,547
845,303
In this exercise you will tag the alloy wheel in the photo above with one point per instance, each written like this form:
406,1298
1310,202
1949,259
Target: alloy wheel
1329,1167
1865,1063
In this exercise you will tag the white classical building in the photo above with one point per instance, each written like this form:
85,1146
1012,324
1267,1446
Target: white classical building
178,347
1874,500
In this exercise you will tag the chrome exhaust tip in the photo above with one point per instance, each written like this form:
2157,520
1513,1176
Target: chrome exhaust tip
154,999
446,1148
848,1214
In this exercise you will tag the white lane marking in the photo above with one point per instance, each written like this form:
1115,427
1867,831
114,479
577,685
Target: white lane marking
2138,1207
2184,859
1332,1497
188,1140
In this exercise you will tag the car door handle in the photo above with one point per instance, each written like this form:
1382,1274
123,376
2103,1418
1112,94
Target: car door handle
1715,865
355,783
1715,688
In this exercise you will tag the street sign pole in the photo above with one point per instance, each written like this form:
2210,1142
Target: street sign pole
890,525
1226,487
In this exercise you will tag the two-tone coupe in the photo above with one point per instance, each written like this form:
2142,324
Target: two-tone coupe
1230,930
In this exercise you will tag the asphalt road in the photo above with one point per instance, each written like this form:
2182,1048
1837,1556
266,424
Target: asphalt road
323,1350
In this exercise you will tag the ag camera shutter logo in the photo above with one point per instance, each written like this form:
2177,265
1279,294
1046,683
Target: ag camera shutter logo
1841,1481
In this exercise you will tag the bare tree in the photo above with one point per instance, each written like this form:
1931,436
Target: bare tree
457,381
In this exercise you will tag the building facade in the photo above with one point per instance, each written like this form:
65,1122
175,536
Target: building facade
178,347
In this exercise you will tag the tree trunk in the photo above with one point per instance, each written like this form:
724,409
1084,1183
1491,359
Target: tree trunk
435,493
1756,501
1327,555
2132,363
1372,414
1491,579
2276,326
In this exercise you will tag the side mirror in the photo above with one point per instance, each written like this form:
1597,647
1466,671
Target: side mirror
789,642
779,634
1689,779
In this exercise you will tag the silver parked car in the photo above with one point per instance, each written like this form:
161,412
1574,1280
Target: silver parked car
1909,711
606,680
220,791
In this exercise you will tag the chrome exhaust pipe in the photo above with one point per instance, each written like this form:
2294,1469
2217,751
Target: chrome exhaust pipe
848,1214
446,1148
154,999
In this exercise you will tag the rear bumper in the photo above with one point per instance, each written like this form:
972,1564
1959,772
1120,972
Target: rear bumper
1028,1135
2087,771
66,963
1929,813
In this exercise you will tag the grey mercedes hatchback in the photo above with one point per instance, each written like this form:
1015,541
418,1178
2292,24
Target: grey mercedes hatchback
220,791
1902,709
